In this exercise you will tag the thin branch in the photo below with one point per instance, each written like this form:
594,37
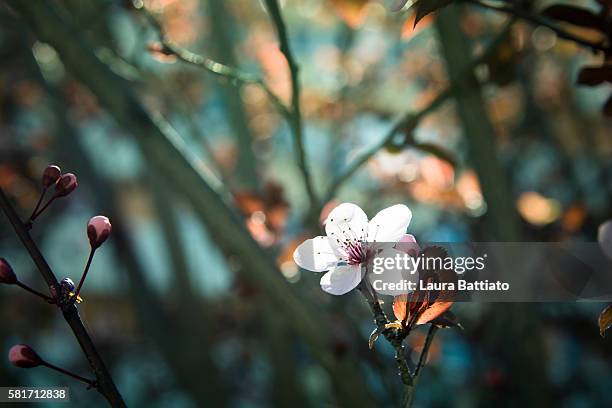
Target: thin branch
410,120
40,199
91,383
214,67
423,359
25,287
84,275
541,21
106,386
410,390
381,321
44,207
28,243
296,114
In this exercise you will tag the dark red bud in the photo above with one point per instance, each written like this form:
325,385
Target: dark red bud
51,174
98,229
65,184
24,356
6,273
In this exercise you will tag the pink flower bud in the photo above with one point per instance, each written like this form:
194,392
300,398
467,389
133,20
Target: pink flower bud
65,184
24,356
51,174
98,229
6,273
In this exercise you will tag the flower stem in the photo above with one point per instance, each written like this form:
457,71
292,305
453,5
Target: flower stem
428,340
40,199
393,337
91,383
47,204
48,299
410,389
78,289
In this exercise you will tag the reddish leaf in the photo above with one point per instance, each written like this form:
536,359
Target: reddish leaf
399,307
574,15
433,311
595,75
605,320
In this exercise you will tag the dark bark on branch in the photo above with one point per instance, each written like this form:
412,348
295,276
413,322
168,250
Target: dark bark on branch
295,121
104,381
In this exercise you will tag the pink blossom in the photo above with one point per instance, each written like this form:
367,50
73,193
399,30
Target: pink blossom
24,356
98,230
65,184
6,273
51,174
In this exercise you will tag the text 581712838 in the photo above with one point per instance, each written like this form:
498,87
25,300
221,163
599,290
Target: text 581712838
34,394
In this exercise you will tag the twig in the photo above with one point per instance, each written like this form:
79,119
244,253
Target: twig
539,20
410,390
396,339
407,121
381,321
292,114
91,383
430,336
105,383
214,67
85,271
410,120
28,243
40,199
25,287
296,115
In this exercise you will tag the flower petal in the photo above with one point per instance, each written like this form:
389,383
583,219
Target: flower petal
341,279
409,245
390,224
392,278
315,255
346,222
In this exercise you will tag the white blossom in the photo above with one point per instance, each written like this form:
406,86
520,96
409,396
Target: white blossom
349,244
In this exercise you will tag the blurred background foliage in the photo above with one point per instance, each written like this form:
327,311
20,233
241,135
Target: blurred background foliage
518,152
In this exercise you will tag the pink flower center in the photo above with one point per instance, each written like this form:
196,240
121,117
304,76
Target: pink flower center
356,252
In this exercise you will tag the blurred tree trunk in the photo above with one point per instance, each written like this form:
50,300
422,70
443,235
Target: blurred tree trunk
223,51
513,332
